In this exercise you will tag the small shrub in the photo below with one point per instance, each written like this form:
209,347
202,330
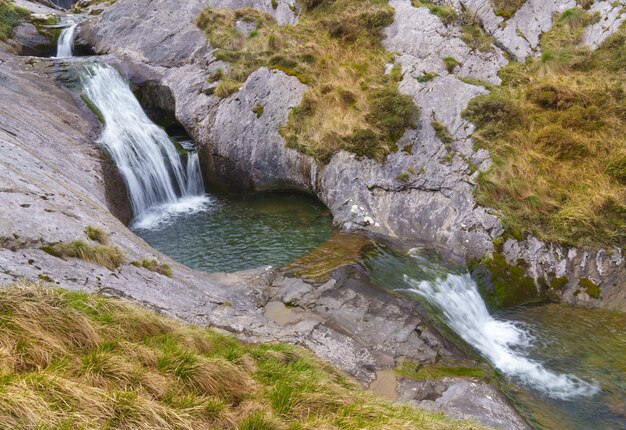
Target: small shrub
274,4
493,108
103,255
258,110
442,133
97,234
154,266
451,63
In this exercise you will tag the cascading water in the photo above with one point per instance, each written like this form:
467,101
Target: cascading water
65,44
501,342
158,183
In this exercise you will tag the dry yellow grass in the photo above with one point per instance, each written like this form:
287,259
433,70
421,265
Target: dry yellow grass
77,361
556,132
335,49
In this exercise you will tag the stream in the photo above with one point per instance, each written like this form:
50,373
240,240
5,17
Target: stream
563,367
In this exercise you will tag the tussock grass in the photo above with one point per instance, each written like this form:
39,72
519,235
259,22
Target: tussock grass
154,266
555,130
10,16
110,257
73,360
335,49
97,234
507,8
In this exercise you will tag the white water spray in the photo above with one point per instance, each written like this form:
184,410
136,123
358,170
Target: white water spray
501,342
65,45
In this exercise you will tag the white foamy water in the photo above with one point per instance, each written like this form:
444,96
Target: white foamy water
65,44
154,173
158,216
501,342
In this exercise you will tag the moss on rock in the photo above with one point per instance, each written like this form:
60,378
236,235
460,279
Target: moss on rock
590,287
501,283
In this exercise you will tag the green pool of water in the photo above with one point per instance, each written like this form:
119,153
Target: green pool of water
238,232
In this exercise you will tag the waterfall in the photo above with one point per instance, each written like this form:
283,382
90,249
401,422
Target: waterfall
143,152
158,183
65,44
195,184
501,342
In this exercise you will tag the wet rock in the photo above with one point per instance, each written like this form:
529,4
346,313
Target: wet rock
28,40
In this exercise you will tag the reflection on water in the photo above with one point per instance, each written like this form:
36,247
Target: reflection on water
238,232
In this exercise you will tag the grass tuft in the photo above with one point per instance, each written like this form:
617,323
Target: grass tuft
97,235
110,257
74,360
555,130
154,266
335,49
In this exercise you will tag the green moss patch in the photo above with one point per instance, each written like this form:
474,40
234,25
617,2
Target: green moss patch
335,49
589,287
444,368
502,284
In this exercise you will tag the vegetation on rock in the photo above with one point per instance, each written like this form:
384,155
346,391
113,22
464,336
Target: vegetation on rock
506,8
154,266
351,103
110,257
555,130
74,360
10,16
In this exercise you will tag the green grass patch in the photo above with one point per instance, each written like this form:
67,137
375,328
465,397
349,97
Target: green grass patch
96,234
75,360
507,8
555,130
335,48
110,257
447,14
10,16
154,266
